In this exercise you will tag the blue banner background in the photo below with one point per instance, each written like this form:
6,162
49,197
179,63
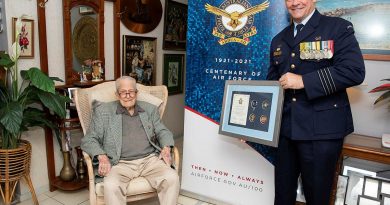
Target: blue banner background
204,90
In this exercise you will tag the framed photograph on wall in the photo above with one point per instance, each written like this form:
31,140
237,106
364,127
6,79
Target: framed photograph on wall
252,110
385,187
25,38
173,73
175,26
355,182
369,19
385,199
139,59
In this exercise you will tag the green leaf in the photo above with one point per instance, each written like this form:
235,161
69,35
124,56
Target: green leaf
54,102
382,97
39,79
11,117
6,61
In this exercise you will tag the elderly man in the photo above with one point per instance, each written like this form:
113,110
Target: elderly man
124,140
315,59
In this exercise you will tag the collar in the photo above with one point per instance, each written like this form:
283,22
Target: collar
304,21
122,110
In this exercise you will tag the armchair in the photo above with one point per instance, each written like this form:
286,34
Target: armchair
139,188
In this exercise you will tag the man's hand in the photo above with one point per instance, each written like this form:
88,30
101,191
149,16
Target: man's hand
104,165
291,81
166,155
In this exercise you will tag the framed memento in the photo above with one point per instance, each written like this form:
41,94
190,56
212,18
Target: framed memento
342,185
71,95
366,200
25,37
252,111
139,59
175,26
173,73
369,21
385,199
385,187
371,187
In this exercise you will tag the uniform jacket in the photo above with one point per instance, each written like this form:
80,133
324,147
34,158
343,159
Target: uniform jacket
321,109
104,135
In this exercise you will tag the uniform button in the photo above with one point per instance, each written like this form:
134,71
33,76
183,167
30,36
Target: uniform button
276,62
292,66
294,99
335,105
293,55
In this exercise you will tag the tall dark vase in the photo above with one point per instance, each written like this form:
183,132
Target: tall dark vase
67,172
80,167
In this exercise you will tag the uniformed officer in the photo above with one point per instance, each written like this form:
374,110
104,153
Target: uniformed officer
315,59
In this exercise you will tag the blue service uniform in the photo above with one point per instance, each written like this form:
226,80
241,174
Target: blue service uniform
316,118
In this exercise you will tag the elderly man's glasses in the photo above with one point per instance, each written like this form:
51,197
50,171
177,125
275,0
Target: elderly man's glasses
124,93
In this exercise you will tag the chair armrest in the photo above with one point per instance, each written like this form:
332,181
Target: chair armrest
175,158
91,178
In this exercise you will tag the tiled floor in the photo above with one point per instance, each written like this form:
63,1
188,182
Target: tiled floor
81,197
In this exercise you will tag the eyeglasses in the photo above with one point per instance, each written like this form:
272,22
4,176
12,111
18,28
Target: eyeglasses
131,93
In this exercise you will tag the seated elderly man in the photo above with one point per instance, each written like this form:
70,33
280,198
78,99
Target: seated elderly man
126,139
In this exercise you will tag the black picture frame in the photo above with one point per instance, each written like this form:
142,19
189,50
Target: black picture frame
366,200
173,73
342,187
175,26
384,187
385,199
252,111
139,59
371,187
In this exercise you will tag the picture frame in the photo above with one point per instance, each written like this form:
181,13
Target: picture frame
84,10
173,73
366,200
252,110
139,59
385,199
371,187
384,187
355,182
342,186
175,26
26,37
71,95
371,29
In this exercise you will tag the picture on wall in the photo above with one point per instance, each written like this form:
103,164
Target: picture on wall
173,73
25,37
139,60
370,21
175,26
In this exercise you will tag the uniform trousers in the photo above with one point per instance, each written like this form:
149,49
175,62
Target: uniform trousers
160,176
314,160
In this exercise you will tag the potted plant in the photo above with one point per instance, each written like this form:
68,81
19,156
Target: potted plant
385,87
21,106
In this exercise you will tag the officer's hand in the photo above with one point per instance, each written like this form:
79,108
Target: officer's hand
291,81
104,165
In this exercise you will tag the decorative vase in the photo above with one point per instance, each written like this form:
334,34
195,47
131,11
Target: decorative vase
67,172
80,167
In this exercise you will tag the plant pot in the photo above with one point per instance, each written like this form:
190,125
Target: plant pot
14,165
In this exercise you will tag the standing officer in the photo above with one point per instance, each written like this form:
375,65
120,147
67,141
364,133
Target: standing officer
315,59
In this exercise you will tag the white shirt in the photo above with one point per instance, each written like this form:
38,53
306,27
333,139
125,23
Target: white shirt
304,21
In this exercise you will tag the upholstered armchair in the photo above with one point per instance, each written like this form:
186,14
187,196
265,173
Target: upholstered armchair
139,188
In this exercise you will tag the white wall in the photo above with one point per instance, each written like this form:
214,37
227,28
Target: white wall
367,120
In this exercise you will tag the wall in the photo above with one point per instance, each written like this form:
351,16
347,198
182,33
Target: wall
368,120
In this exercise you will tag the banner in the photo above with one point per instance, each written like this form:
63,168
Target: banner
226,40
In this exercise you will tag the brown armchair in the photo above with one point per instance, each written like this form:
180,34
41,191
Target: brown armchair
139,188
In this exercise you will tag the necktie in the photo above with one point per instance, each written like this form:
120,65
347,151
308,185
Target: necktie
298,28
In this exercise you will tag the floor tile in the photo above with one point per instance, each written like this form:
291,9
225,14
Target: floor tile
50,201
183,200
72,197
41,198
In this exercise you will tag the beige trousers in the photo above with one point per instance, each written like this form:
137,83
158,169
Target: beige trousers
160,176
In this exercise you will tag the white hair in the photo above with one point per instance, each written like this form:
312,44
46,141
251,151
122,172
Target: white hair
125,77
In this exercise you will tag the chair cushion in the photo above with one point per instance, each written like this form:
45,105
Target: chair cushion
138,185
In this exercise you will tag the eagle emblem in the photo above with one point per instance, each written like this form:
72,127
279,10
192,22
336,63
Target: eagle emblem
235,16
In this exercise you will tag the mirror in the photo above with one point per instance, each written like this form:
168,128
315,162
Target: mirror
84,39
